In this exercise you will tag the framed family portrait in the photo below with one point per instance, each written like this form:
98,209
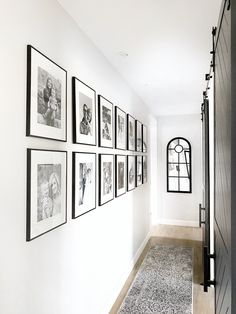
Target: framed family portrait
46,191
138,141
130,133
120,129
120,175
144,136
131,172
139,170
46,97
106,177
83,183
84,113
105,119
144,169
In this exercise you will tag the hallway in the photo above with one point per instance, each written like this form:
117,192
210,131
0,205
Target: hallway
117,122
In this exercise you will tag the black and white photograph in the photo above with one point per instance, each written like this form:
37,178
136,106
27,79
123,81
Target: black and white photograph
144,169
130,133
120,129
46,97
120,175
139,170
144,136
84,113
46,191
139,140
106,178
105,119
83,183
131,173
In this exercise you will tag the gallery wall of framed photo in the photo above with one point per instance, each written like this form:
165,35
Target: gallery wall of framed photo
95,119
65,228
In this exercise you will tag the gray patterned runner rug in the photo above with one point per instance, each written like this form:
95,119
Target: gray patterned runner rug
163,283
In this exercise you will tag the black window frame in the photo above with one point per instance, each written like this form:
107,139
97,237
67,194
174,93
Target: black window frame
179,163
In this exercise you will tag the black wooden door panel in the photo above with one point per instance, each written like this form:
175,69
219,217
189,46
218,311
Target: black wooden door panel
222,223
223,289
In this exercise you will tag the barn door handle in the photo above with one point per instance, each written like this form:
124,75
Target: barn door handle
201,221
207,282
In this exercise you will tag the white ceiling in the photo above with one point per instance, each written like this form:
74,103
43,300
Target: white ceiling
168,45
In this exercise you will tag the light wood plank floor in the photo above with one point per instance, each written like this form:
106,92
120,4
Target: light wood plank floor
203,303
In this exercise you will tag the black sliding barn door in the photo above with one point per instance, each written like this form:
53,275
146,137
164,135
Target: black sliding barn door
206,194
223,153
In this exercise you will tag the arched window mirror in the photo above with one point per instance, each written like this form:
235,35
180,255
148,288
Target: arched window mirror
179,166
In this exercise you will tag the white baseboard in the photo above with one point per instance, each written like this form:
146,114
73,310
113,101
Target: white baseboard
124,277
183,223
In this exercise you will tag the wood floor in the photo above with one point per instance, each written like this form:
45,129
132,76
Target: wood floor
203,303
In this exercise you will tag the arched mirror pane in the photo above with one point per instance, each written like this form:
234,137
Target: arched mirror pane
179,166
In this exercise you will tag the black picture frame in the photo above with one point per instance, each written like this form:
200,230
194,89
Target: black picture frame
138,137
108,158
46,107
85,157
145,172
144,138
122,158
139,171
103,126
118,136
131,172
83,95
44,173
131,133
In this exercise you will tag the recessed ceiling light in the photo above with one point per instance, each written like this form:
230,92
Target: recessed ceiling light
123,54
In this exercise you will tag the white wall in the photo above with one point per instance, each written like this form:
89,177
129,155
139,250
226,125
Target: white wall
178,208
80,267
153,177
